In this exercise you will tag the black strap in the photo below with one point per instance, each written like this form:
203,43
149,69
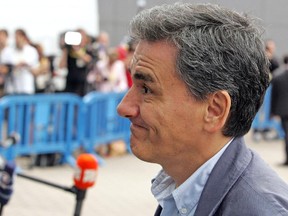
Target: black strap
158,211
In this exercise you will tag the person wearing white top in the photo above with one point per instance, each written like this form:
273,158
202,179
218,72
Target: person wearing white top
25,57
6,58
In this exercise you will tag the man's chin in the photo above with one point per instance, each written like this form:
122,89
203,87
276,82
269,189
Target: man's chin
141,154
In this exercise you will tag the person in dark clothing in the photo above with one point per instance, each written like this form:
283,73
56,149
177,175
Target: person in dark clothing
77,60
279,102
270,48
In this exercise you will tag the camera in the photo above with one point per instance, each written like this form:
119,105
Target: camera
72,38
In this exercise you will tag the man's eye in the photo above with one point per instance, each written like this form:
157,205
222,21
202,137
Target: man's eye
145,90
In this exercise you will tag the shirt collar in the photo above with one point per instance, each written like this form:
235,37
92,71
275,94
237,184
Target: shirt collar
187,195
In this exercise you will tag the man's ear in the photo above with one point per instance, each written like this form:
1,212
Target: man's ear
217,111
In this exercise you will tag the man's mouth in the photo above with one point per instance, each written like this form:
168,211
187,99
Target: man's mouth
135,126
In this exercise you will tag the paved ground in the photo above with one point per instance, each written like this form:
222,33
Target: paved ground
122,189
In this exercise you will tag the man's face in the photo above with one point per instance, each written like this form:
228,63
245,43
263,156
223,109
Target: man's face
166,120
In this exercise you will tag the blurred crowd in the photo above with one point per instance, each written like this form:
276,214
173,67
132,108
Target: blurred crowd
278,100
92,65
279,91
277,67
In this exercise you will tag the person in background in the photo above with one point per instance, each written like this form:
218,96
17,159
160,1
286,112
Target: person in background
270,47
76,59
199,76
279,102
42,73
102,45
267,133
25,59
6,59
109,75
127,61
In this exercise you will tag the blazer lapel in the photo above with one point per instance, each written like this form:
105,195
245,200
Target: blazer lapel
228,169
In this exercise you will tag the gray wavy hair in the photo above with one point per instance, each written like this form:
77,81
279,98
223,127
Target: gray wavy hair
218,49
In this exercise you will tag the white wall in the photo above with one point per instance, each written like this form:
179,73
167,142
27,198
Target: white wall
44,20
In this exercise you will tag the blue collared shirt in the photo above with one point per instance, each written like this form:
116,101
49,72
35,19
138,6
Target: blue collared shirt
183,200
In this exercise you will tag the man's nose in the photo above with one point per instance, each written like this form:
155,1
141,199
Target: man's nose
128,107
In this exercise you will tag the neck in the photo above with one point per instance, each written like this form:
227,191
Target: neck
181,168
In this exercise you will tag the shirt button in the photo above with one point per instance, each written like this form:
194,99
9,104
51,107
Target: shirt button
183,211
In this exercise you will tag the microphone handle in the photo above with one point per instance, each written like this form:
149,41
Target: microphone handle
1,209
72,190
80,196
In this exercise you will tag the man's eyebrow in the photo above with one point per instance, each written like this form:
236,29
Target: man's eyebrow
144,77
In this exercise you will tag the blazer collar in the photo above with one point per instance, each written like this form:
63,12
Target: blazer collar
227,170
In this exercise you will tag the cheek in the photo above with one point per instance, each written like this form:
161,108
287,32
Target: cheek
154,116
183,123
172,121
163,124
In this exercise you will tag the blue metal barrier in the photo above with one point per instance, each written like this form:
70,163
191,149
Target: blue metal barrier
103,125
46,123
263,118
61,123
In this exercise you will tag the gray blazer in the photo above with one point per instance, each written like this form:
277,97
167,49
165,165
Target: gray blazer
242,184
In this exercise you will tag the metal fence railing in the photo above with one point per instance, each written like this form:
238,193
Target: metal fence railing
60,123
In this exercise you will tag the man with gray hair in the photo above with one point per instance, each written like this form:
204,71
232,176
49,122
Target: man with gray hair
199,76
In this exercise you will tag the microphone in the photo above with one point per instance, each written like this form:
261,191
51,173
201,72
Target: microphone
84,177
86,171
6,182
